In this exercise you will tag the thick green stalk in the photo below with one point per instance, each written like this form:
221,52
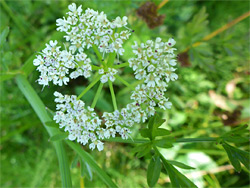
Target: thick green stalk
112,95
89,86
98,92
40,110
124,82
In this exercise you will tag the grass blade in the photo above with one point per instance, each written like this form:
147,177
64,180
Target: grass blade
40,110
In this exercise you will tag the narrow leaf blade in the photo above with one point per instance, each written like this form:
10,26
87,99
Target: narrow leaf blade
154,170
58,137
180,165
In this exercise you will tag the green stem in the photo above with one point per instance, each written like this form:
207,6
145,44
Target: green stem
89,86
112,95
205,139
111,59
178,140
121,65
124,82
40,110
99,56
99,90
128,141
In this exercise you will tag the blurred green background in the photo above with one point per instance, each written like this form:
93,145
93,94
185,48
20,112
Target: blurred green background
210,97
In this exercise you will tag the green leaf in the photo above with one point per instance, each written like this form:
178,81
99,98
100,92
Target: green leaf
58,137
51,124
39,108
158,121
198,26
180,165
89,173
88,158
50,113
144,150
151,122
177,178
153,130
6,76
161,132
82,167
145,133
75,161
236,156
154,170
164,143
236,139
4,35
86,170
237,131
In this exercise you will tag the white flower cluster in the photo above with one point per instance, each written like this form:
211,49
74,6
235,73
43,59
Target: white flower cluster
154,65
156,61
83,124
107,75
55,65
85,29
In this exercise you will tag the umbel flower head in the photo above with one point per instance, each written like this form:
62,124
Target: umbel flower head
154,64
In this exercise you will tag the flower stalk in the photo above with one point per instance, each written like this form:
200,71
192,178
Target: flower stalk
113,95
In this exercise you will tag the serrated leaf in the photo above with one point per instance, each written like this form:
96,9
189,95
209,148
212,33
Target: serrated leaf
164,143
154,170
51,124
198,26
177,178
145,133
75,161
236,156
58,137
146,149
180,165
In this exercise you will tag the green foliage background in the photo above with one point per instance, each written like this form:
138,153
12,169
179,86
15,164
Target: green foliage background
29,160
